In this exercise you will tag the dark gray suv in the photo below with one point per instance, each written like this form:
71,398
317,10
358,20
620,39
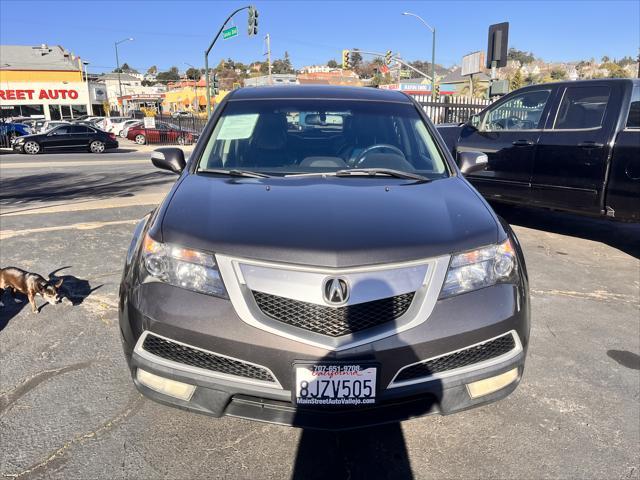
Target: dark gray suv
322,262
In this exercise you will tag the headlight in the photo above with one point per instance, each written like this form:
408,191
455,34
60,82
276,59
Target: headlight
182,267
480,268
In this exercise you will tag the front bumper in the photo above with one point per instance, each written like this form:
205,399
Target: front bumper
213,325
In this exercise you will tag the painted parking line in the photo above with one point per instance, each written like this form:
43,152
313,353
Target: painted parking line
5,234
71,163
117,202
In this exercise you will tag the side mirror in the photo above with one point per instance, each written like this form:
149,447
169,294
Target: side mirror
472,162
474,121
171,159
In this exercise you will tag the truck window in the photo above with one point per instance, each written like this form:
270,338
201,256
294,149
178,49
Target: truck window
633,120
521,112
582,107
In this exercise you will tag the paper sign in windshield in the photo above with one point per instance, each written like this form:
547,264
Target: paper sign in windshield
235,127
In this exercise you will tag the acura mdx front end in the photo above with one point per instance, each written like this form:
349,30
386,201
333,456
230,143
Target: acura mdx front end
321,262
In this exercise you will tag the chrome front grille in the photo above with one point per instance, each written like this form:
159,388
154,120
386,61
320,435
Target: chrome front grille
333,321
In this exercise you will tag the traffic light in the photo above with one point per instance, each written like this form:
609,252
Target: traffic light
216,84
346,60
437,90
253,21
387,58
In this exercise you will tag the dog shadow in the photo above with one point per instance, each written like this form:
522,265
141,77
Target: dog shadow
73,289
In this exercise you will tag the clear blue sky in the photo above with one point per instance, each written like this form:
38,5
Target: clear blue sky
174,32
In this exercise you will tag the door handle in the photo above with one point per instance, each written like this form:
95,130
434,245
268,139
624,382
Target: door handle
522,143
590,145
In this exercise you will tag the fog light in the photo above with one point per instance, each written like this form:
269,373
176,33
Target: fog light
491,384
180,390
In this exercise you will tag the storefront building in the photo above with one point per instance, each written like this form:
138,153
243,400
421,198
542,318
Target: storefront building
42,82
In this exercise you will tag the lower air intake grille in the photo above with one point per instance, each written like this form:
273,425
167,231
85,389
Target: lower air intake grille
479,353
333,321
193,357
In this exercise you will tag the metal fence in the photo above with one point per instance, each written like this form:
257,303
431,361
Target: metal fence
450,109
171,130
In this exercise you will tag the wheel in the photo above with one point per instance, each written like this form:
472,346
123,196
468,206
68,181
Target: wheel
182,140
31,147
96,146
141,139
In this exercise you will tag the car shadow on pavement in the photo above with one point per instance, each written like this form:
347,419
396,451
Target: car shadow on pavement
55,187
74,289
378,451
622,236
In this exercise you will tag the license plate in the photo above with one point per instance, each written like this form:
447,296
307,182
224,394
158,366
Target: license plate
335,384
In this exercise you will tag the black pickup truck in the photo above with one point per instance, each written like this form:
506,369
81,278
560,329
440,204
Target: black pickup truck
571,146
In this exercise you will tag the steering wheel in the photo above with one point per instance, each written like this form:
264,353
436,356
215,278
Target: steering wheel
360,158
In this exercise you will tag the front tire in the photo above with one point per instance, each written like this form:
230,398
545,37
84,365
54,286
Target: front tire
97,147
141,139
31,147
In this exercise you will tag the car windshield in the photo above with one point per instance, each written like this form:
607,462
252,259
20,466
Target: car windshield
284,137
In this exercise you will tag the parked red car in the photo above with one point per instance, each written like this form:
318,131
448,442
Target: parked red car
162,133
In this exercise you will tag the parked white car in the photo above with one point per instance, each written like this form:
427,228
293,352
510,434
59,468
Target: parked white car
129,124
118,127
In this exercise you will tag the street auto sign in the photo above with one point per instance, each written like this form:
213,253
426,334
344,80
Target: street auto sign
42,94
230,32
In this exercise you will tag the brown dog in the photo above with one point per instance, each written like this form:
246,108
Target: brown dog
30,284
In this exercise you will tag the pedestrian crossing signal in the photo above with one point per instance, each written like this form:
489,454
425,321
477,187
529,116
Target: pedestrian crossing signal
346,60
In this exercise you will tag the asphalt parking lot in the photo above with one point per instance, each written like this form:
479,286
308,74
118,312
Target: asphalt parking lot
69,410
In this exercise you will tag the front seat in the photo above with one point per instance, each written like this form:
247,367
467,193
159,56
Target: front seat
269,142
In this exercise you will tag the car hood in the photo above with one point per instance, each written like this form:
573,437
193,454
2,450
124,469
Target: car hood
330,222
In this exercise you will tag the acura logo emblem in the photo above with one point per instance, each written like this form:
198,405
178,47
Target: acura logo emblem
336,291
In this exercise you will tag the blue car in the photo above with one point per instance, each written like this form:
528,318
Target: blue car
10,131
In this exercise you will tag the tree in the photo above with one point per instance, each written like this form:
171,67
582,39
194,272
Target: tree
615,70
193,73
558,73
516,81
332,63
171,75
605,59
356,60
520,56
152,70
287,62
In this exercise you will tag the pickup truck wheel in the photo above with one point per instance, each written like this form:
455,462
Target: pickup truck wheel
141,139
31,147
96,146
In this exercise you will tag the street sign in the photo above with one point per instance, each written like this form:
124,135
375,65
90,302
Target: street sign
472,63
497,45
229,33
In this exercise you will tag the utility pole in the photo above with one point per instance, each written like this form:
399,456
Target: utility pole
268,39
118,69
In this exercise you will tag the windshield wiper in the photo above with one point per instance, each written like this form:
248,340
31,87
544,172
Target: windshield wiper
234,173
381,171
